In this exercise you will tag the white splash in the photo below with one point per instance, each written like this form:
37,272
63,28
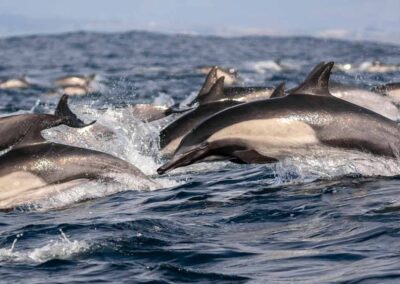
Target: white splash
63,248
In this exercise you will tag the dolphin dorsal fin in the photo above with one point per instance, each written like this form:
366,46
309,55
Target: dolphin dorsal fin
279,91
215,94
211,79
317,82
66,116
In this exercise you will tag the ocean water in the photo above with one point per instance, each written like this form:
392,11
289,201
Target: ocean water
322,218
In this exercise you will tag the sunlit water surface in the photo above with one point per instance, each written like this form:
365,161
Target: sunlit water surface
316,218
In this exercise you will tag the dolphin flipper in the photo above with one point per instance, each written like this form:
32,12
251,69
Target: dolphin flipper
251,156
232,150
66,116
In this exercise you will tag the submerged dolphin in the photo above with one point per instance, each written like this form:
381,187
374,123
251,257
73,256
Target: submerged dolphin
75,80
19,83
17,129
26,172
269,130
367,99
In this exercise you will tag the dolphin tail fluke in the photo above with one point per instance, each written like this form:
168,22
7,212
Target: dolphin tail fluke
66,116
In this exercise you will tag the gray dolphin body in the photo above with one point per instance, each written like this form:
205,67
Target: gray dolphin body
172,134
16,129
32,172
266,131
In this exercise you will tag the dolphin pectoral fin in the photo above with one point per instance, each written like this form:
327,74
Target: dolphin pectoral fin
317,82
185,159
251,156
66,116
279,91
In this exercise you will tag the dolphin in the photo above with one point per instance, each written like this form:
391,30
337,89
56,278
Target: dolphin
365,98
75,80
17,129
18,83
269,130
37,170
172,134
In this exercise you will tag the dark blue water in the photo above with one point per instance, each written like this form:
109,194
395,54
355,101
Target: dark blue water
325,220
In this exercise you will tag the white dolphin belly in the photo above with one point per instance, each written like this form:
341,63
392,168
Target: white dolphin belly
21,188
269,136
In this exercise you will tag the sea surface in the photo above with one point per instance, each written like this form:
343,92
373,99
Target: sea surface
326,218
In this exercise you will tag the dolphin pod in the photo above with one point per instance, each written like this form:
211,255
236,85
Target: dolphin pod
34,168
268,130
243,125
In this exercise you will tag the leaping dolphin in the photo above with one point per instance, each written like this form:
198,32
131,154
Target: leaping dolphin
172,134
269,130
26,171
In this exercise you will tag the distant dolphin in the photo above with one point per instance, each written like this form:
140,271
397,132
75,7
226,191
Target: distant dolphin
392,90
269,130
365,98
377,66
19,83
17,129
75,80
148,112
27,172
242,94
